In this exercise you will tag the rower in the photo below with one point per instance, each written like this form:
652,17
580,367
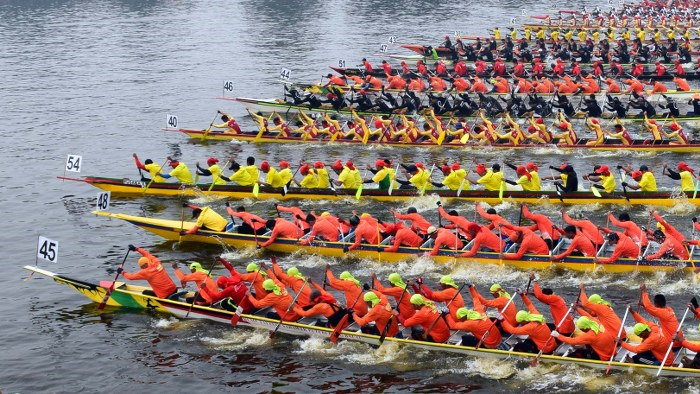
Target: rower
481,236
653,128
321,304
594,126
670,248
262,121
685,174
428,317
459,222
379,313
179,171
207,219
603,175
654,344
252,224
383,174
543,225
418,222
201,278
454,177
620,133
277,297
321,227
212,170
449,292
579,246
405,307
281,228
272,176
568,135
624,247
646,182
557,307
600,343
499,301
528,240
298,215
367,229
310,180
476,324
335,80
595,307
525,180
491,179
255,276
666,227
153,272
664,314
152,168
241,175
231,295
351,288
444,238
229,124
281,127
632,230
676,133
348,176
321,172
532,324
294,280
419,178
589,229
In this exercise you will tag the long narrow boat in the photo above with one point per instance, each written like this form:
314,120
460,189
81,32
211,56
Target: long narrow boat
127,186
429,60
130,296
267,106
171,230
551,41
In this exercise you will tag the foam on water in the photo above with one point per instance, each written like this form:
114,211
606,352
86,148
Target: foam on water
238,340
490,368
169,323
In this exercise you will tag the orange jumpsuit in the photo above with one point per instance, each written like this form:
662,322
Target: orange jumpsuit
558,308
198,278
448,239
542,223
405,237
478,328
531,243
405,308
283,229
445,296
495,219
602,343
155,274
631,229
380,314
672,245
461,222
625,248
484,238
296,212
279,302
324,228
425,317
367,232
588,228
657,343
580,243
418,222
320,309
602,313
254,221
293,282
353,293
539,333
668,229
498,303
257,284
666,317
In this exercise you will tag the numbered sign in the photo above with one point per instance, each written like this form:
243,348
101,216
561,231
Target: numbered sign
171,121
103,201
341,63
459,33
522,12
74,163
228,86
383,48
512,21
285,74
392,39
47,249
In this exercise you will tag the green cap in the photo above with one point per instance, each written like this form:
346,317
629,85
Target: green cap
294,271
640,328
597,299
495,288
395,279
252,267
525,316
584,323
447,280
371,298
469,314
417,299
345,275
270,285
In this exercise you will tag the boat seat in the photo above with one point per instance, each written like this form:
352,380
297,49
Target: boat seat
428,244
468,245
229,227
560,246
513,248
694,252
267,234
388,240
603,249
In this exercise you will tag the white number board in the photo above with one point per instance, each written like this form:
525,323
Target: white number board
228,86
383,48
47,249
103,201
74,163
171,121
285,74
341,63
392,39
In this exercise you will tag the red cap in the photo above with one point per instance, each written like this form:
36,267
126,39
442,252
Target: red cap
455,166
531,129
531,166
304,169
636,174
349,165
284,164
445,169
174,163
684,167
480,168
563,126
380,163
212,160
318,164
603,170
265,166
674,127
595,121
539,121
420,165
378,124
338,165
563,166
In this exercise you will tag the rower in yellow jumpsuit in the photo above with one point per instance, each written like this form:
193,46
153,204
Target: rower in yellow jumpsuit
582,35
568,35
490,131
676,136
527,33
241,175
322,175
179,171
626,35
152,168
568,135
605,177
541,34
621,134
540,133
310,180
554,35
496,33
214,170
514,134
491,179
684,173
455,178
653,128
594,126
272,176
261,121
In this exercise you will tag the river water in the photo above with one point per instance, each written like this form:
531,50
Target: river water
97,79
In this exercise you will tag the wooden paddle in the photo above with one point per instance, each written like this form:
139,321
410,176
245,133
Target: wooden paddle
111,287
391,320
289,308
194,298
335,335
571,308
619,332
391,181
154,177
213,180
206,132
622,179
481,340
434,322
670,345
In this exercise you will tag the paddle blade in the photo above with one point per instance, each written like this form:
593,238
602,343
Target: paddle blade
595,191
334,136
501,190
365,138
237,316
104,301
441,138
339,328
358,193
695,192
256,190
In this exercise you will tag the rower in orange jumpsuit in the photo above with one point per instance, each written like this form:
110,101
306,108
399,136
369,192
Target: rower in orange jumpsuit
380,313
557,307
399,291
589,229
460,221
664,314
252,220
542,224
449,292
654,344
276,296
351,288
478,86
281,228
594,335
200,277
367,230
153,272
476,323
495,220
405,237
297,214
321,305
579,242
668,228
294,280
528,240
499,301
426,316
533,325
634,86
613,87
323,227
624,247
632,230
444,238
670,245
600,310
482,237
418,222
